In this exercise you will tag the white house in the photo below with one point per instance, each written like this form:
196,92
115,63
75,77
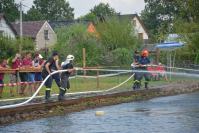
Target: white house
140,29
6,28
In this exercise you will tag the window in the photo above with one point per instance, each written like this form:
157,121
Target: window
46,37
140,36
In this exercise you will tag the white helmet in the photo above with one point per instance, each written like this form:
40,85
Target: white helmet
70,57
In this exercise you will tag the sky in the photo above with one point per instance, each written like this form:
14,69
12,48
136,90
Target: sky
82,7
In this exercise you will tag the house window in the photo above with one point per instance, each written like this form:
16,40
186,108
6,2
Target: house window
46,35
140,36
1,33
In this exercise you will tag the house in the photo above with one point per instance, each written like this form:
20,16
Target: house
140,29
6,28
40,31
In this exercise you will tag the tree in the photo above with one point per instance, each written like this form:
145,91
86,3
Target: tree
71,40
33,15
115,33
50,10
9,8
100,11
158,16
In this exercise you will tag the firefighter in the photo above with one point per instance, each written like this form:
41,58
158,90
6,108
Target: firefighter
143,62
49,66
65,84
134,65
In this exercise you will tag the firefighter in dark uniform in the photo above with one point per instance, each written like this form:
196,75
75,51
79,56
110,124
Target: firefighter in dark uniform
134,65
65,84
143,62
49,66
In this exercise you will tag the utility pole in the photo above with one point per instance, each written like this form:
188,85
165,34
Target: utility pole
21,29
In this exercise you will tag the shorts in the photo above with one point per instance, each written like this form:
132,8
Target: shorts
23,77
13,78
31,77
38,77
1,83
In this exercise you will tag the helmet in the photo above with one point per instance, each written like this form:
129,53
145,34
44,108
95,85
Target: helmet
70,57
145,53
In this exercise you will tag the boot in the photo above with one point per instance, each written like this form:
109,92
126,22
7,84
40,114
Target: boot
62,92
146,86
134,86
47,96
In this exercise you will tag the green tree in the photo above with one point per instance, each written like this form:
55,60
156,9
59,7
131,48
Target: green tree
158,16
9,8
100,11
72,39
50,10
115,33
33,15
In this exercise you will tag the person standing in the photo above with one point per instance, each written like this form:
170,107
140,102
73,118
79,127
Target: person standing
65,84
143,62
15,64
2,65
28,63
38,62
134,65
49,66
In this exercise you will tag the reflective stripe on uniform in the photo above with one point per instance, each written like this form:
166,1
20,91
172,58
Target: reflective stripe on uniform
62,89
48,89
136,81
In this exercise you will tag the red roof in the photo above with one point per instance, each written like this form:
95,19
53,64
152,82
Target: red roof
30,28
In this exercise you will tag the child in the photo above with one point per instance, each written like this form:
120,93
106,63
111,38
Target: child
68,64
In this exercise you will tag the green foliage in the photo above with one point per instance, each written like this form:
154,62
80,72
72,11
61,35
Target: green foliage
6,47
50,10
99,11
115,33
103,10
123,56
72,39
9,47
9,8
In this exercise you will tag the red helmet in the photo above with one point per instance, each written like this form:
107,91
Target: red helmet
145,53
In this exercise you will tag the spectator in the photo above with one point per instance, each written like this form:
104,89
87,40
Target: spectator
2,65
28,63
38,62
15,64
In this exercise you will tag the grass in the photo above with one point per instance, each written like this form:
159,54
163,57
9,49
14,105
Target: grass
88,84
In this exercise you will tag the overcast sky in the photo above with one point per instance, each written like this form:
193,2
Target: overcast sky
82,7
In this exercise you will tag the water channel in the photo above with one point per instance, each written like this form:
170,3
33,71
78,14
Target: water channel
172,114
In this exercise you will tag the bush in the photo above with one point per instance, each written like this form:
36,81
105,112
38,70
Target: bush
72,39
9,47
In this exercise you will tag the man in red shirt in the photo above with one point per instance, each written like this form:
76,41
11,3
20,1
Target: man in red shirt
2,65
29,77
16,63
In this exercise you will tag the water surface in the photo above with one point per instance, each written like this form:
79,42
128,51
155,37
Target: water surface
173,114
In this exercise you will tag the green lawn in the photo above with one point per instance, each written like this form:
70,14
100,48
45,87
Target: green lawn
88,84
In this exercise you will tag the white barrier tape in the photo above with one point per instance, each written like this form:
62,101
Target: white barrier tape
109,70
34,95
59,71
102,76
